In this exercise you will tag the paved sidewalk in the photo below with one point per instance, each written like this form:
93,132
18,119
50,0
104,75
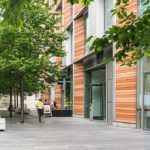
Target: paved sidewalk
71,134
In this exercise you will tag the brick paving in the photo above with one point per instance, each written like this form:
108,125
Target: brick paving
70,134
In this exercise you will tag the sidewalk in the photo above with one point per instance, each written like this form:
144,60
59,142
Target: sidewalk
70,134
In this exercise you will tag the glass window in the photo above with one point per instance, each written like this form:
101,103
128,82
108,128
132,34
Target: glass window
68,94
71,43
69,47
142,1
87,31
146,64
142,7
146,101
108,6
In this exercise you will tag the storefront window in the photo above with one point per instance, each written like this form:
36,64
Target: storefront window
147,101
146,64
67,93
68,97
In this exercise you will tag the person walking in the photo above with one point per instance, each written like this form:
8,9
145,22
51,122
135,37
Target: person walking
40,107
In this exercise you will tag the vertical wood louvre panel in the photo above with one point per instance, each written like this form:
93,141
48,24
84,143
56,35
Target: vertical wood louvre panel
67,14
78,89
79,38
126,86
58,89
78,8
125,94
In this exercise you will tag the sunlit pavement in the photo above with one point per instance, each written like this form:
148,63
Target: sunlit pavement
70,134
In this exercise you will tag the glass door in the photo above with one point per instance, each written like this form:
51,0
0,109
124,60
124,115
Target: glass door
98,101
146,97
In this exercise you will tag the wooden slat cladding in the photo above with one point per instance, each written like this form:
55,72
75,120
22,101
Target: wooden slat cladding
59,61
58,96
78,89
78,8
126,112
45,95
126,87
79,38
126,94
67,14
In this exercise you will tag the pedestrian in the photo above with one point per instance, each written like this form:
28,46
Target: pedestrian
55,105
40,108
46,102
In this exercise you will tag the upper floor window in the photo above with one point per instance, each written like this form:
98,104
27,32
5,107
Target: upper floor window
108,19
142,7
68,47
87,30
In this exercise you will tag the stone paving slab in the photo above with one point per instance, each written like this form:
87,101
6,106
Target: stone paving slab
70,134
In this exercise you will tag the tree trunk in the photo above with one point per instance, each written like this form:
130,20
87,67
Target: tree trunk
21,100
15,98
10,106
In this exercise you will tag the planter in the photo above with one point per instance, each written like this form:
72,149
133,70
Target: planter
61,113
2,124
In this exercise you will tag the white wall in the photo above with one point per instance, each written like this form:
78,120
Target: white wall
52,96
30,101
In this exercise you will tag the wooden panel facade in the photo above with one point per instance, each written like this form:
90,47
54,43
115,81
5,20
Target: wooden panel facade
125,94
78,89
58,96
45,95
78,8
79,38
67,12
126,87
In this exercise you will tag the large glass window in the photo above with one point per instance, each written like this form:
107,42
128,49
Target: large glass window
87,31
67,94
69,47
146,101
142,7
68,97
108,6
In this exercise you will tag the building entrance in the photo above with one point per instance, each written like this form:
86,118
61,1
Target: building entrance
95,94
98,102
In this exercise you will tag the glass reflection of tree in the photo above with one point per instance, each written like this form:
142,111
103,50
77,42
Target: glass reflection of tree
68,95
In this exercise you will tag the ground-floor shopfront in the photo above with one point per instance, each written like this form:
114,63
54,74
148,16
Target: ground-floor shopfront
143,94
64,90
99,91
98,96
87,88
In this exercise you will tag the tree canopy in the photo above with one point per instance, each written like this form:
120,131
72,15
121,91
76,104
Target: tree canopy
26,51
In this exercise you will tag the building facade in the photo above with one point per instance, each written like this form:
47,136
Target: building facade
91,88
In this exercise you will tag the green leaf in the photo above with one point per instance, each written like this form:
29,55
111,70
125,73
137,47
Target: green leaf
89,39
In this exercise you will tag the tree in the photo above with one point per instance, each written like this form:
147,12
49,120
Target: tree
26,52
